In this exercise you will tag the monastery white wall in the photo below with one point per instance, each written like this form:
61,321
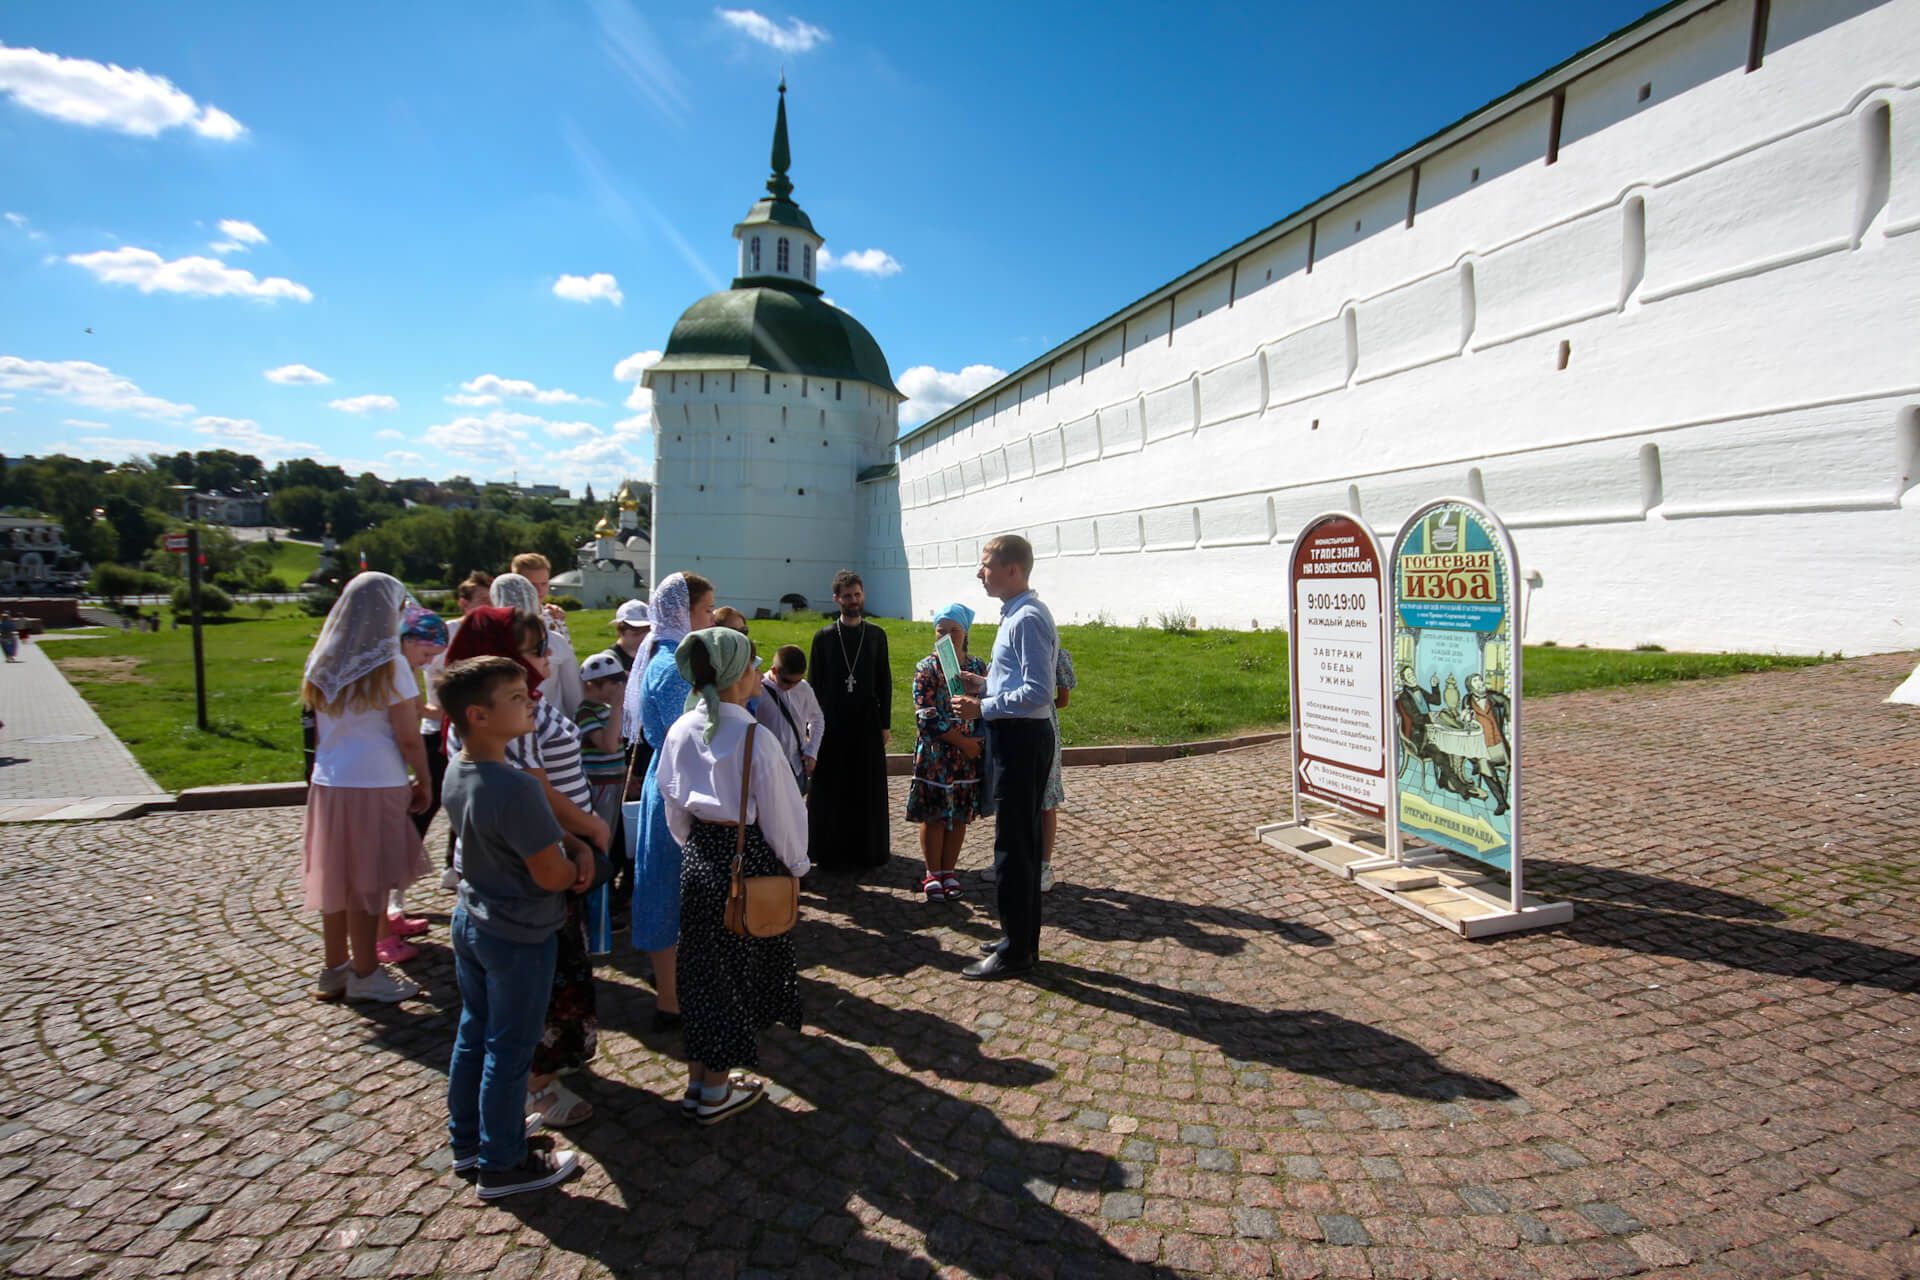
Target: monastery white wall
1680,360
756,480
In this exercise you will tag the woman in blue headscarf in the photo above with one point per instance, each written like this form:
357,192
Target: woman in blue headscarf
656,697
945,793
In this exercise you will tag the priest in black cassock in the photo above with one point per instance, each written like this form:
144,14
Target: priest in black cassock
847,803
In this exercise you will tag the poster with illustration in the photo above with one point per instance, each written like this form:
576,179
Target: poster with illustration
1456,680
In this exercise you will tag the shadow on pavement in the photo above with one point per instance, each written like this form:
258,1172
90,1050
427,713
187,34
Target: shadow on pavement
1306,1041
1629,911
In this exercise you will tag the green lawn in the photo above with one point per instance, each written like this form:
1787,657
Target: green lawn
293,561
1137,684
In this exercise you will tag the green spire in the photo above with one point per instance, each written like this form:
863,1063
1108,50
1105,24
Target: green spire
778,183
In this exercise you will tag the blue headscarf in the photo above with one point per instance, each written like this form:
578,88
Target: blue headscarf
955,612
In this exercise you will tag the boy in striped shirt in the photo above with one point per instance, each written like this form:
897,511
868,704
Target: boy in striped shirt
598,720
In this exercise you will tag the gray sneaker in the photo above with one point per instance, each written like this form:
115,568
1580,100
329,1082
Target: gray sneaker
989,875
382,985
1046,877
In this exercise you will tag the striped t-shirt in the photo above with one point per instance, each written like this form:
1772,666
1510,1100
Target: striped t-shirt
554,745
601,766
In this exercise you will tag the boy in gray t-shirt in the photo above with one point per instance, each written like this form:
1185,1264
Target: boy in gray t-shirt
515,876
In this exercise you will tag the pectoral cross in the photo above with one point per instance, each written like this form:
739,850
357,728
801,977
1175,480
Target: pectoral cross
850,682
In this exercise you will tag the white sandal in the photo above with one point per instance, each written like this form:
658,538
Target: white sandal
690,1100
559,1107
741,1094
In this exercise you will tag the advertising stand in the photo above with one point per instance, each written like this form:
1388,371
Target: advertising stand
1442,647
1336,658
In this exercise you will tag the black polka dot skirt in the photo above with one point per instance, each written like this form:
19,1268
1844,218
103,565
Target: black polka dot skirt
731,988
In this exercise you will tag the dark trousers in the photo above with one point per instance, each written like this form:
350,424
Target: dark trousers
1022,757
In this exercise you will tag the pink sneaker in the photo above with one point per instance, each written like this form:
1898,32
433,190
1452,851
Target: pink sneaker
395,951
407,926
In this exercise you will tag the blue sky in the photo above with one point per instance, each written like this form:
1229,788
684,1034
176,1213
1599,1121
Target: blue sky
476,221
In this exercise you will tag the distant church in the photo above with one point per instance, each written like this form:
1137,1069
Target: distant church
1655,307
774,421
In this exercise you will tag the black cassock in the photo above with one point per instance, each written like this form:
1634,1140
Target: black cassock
847,802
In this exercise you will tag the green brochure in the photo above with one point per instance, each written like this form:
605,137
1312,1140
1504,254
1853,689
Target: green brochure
949,664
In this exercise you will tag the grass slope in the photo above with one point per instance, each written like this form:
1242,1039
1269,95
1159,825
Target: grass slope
1136,684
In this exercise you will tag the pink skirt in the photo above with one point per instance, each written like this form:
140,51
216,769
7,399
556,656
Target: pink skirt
360,845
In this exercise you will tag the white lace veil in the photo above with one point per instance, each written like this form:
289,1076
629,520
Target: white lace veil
362,634
512,591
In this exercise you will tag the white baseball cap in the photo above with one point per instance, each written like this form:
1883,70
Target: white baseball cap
600,667
632,614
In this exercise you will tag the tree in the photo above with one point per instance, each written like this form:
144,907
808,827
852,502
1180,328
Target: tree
344,513
305,471
212,600
302,508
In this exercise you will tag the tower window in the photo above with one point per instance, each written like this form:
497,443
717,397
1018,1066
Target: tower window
806,260
754,251
836,391
781,259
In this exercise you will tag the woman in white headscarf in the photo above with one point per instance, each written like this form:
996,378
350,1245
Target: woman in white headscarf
563,688
360,843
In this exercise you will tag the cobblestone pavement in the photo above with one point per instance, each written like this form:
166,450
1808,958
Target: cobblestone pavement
53,745
1233,1063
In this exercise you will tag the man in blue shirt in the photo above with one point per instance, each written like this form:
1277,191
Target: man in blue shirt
1016,698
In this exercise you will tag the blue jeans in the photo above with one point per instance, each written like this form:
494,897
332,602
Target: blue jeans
503,1011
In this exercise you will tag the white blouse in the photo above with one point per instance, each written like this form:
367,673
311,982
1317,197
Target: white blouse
698,779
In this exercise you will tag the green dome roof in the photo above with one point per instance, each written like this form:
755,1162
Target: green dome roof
773,328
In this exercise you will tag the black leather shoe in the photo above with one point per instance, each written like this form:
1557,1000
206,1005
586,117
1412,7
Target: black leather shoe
991,948
997,966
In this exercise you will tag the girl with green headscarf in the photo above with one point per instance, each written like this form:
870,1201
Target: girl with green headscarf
731,987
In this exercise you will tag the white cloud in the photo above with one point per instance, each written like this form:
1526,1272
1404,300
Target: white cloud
572,430
24,225
88,423
589,288
388,433
365,404
121,448
240,236
204,277
247,436
494,438
794,37
868,262
932,391
6,408
296,375
85,383
104,96
491,388
404,458
471,402
630,370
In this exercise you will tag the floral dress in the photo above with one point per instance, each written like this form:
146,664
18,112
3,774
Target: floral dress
946,784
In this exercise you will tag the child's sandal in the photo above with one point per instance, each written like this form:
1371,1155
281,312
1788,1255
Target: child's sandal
935,888
951,883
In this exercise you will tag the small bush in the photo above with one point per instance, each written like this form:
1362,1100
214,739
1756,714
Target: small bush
1649,648
213,601
1175,621
318,604
567,603
115,580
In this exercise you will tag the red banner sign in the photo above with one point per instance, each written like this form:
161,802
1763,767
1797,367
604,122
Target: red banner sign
1336,650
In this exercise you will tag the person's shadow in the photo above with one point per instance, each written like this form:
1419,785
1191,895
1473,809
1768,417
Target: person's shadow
1306,1041
1632,911
855,1162
869,930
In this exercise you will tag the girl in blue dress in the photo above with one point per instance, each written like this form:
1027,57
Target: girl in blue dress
681,603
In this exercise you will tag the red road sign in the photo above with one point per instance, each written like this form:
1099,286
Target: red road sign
176,543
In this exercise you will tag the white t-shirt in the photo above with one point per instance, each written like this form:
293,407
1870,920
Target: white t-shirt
429,709
357,749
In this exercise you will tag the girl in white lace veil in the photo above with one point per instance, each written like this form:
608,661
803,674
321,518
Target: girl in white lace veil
361,638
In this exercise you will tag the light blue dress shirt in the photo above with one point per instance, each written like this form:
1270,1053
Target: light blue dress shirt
1020,676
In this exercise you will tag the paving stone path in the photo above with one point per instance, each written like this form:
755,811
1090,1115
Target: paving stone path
1233,1063
56,754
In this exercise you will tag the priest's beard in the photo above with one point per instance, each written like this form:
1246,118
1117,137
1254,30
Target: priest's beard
852,614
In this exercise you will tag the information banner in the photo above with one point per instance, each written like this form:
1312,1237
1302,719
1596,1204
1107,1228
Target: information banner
1456,680
1336,645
